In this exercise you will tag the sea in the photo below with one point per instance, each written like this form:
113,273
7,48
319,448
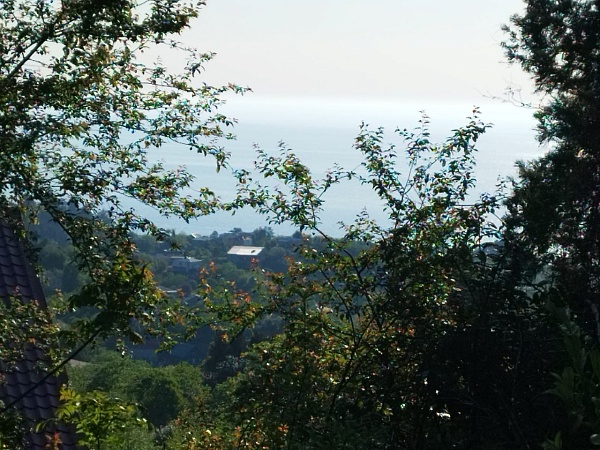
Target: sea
321,132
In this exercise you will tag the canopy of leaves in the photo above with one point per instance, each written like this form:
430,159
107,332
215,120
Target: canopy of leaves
79,111
554,213
555,209
404,336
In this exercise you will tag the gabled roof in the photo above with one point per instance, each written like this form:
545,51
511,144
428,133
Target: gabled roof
23,382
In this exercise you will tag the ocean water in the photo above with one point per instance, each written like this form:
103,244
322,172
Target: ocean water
322,132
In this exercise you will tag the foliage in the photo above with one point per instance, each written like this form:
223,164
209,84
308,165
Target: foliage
556,41
160,393
578,388
159,396
11,428
200,420
79,112
98,418
435,330
205,424
384,329
25,325
554,213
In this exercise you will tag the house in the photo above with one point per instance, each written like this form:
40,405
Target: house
185,264
24,385
244,256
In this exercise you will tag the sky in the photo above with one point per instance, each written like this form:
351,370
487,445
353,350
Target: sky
318,68
428,50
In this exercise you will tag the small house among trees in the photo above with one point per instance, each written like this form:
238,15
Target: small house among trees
244,256
185,264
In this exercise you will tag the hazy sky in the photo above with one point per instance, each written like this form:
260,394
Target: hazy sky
429,50
318,68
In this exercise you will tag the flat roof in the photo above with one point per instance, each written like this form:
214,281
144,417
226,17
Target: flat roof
244,250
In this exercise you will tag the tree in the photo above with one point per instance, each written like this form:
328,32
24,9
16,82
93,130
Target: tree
101,421
78,113
384,329
555,208
160,393
554,212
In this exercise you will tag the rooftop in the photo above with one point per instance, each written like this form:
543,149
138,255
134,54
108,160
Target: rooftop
244,250
23,382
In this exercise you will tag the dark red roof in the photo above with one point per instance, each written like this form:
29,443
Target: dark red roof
23,382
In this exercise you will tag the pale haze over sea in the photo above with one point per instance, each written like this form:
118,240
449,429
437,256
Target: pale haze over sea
322,131
319,68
